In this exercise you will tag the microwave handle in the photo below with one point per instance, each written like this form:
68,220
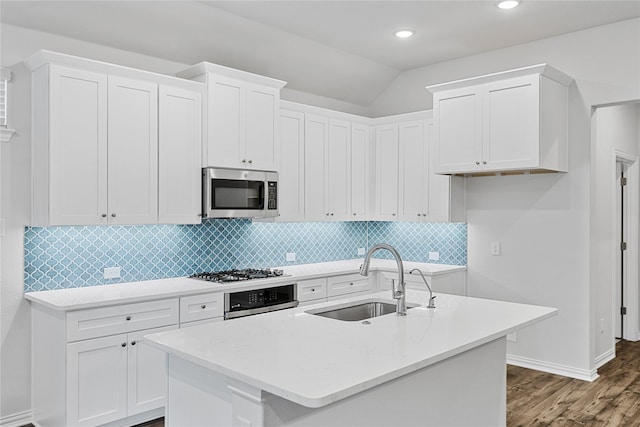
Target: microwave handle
206,193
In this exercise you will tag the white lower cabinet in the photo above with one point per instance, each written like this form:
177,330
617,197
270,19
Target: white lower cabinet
348,285
93,367
312,291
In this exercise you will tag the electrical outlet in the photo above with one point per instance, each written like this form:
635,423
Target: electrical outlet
434,256
512,337
361,251
112,272
291,256
495,248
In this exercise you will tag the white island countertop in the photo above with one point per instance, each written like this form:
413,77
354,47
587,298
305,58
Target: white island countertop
314,361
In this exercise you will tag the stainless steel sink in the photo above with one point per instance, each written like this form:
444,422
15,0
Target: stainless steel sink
359,310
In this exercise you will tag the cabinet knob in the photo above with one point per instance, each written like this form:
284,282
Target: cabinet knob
419,214
354,214
124,344
393,214
313,289
244,160
484,162
477,163
203,306
250,161
331,213
113,215
327,214
128,318
133,343
104,215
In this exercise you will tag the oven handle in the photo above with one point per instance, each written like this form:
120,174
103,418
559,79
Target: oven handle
242,313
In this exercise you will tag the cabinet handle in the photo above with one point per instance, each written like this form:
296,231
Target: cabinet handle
124,344
203,306
477,163
133,343
128,318
113,215
104,215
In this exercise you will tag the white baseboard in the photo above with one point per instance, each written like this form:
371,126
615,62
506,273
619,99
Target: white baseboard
16,420
553,368
605,357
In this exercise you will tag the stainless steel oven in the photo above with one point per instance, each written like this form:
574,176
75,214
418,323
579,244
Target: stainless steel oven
256,301
237,193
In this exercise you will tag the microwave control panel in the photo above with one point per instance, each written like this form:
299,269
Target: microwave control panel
272,195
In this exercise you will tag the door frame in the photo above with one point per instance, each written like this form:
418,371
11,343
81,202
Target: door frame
631,296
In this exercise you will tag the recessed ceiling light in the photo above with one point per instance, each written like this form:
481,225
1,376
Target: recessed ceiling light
403,34
509,4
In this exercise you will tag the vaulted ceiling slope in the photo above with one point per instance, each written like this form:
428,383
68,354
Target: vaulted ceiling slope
344,50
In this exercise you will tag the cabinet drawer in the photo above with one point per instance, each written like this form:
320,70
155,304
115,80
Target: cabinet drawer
100,322
200,307
312,289
347,284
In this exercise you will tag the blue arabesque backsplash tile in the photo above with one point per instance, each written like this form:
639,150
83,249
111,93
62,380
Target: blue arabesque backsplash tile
68,257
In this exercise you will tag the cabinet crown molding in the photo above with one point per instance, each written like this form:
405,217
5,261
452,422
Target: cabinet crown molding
542,69
221,70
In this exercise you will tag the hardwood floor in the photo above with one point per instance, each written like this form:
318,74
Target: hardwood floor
540,399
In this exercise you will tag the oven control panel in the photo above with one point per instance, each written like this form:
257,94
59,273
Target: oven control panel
254,301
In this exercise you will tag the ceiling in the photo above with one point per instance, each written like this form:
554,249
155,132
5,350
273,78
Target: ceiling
343,50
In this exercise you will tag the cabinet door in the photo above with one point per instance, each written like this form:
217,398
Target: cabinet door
262,136
338,170
458,122
291,175
179,151
224,145
359,171
133,152
316,134
97,381
511,123
77,147
413,197
387,172
147,377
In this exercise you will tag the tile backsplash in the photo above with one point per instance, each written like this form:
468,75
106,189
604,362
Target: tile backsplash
68,257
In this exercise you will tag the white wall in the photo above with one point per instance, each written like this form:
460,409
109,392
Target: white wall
542,221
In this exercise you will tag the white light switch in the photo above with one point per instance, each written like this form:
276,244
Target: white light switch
434,256
291,256
495,248
112,272
512,337
360,251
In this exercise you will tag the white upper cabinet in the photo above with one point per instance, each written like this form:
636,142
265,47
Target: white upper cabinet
387,169
242,115
316,137
338,170
360,170
510,121
291,176
100,133
132,155
413,189
179,151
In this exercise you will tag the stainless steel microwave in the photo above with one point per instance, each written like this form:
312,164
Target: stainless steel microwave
239,193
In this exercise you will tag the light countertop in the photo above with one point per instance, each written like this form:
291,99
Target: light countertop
314,361
124,293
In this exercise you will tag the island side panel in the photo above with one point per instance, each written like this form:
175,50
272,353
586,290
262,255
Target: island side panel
465,390
468,389
196,396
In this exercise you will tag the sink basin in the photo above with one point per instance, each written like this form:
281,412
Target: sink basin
359,310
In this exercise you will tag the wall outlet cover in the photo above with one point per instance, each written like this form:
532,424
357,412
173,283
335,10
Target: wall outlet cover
112,272
512,337
290,256
434,256
495,248
361,251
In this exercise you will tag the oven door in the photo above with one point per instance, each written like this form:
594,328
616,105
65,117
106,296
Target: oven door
256,301
234,193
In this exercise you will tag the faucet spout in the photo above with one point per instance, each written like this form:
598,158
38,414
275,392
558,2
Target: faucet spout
400,293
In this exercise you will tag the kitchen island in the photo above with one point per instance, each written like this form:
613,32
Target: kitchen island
440,367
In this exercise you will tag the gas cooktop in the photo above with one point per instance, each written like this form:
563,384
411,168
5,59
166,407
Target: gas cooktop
238,275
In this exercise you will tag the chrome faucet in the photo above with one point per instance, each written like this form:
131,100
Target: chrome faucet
400,295
431,303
